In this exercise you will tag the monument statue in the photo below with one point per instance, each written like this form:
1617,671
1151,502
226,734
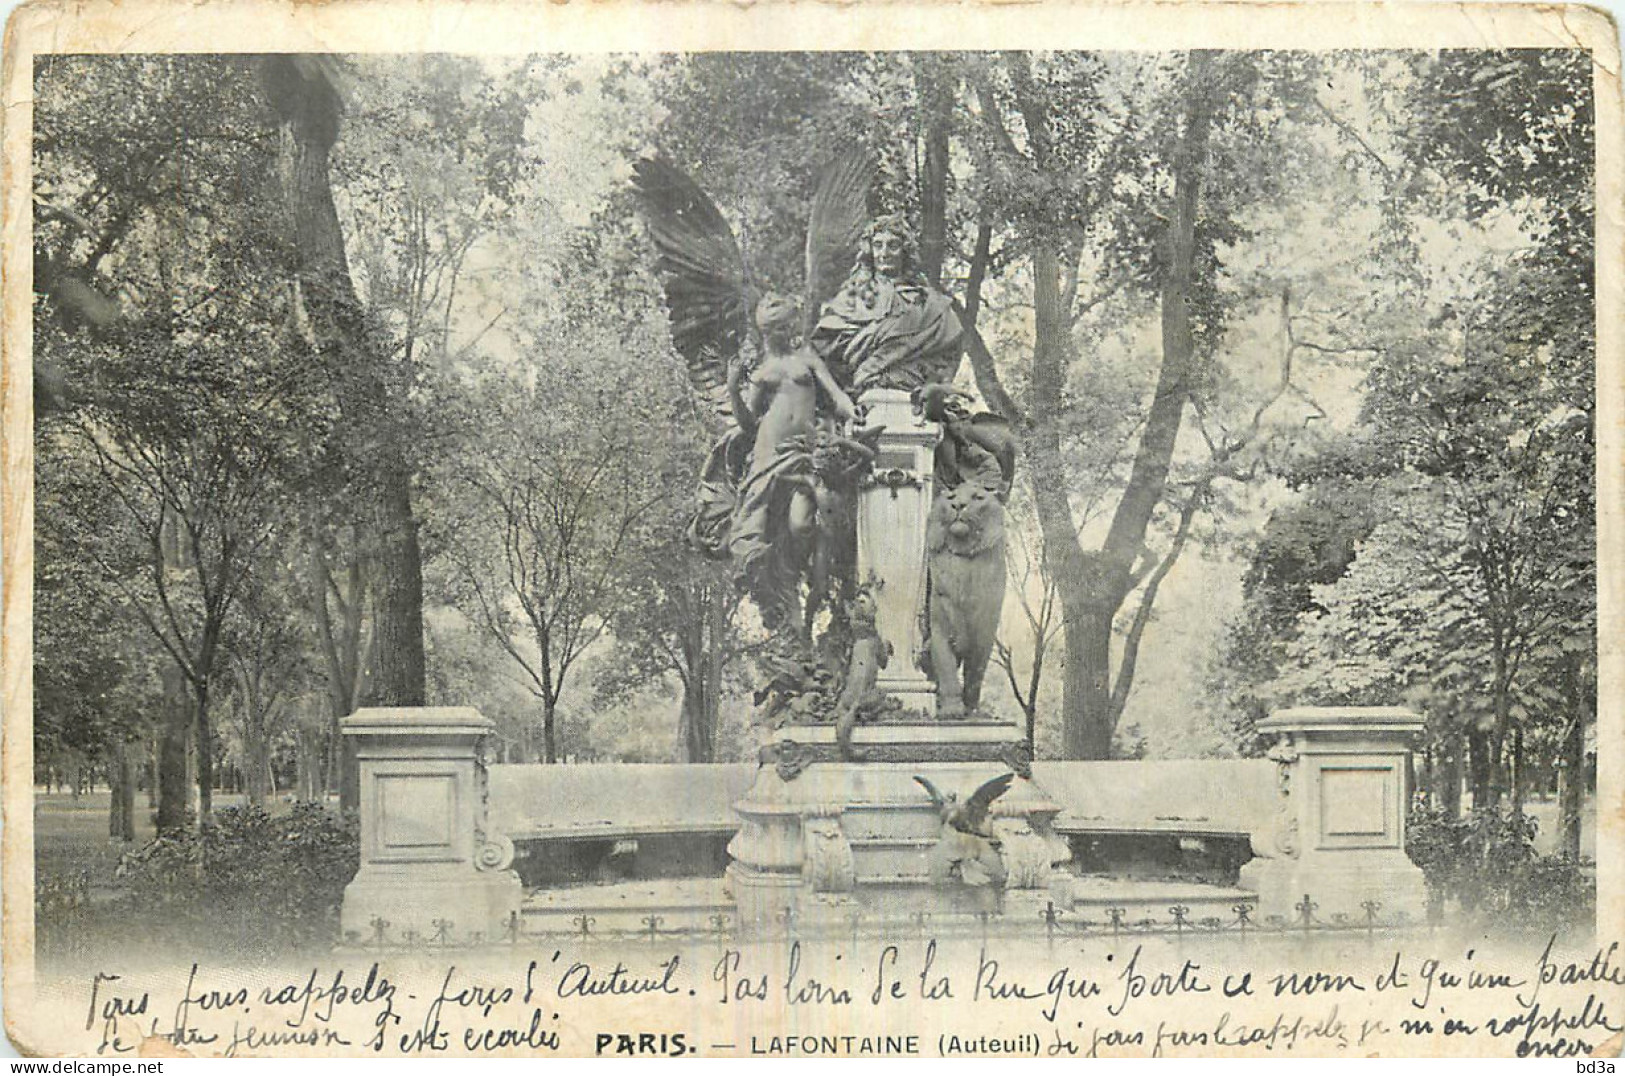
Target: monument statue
978,447
774,522
779,491
775,491
860,503
860,695
974,466
965,592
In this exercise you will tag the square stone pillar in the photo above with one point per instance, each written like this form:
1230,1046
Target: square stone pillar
1339,831
892,512
427,866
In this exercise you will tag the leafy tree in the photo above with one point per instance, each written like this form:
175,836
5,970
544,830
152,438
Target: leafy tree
334,327
267,643
1138,205
681,618
185,409
95,671
561,468
197,476
1308,541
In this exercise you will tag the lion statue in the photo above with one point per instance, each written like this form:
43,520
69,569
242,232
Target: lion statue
965,591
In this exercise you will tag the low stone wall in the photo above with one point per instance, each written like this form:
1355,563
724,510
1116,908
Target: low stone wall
607,823
604,823
1189,796
1319,824
537,802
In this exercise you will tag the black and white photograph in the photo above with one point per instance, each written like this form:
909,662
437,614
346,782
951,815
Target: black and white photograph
770,548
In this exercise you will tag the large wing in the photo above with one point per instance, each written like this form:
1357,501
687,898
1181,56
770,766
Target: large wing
931,790
981,800
702,272
839,210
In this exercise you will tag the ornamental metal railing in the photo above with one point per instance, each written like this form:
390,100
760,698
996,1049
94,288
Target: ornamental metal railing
1050,922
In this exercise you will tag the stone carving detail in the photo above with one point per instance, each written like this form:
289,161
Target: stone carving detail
792,757
492,851
967,853
870,654
1025,853
827,865
1284,836
789,758
495,853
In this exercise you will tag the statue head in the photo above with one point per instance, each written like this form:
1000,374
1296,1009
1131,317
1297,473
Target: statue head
889,246
864,607
778,316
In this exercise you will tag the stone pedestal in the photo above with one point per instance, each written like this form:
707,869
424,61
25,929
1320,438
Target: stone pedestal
1339,832
427,867
892,511
822,840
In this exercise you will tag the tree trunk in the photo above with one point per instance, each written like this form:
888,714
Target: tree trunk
550,750
344,666
203,728
1446,778
256,760
1085,672
1480,765
1571,788
1029,705
121,814
712,660
115,802
1086,681
402,667
1518,779
174,791
936,95
305,98
308,765
696,733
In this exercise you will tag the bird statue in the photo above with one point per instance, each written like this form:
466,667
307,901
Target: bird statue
968,852
971,816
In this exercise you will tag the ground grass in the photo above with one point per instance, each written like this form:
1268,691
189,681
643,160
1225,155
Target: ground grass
70,832
94,918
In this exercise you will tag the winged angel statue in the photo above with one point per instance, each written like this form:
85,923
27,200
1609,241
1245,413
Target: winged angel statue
776,495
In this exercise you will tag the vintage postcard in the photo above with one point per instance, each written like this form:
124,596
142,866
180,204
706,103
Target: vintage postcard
785,530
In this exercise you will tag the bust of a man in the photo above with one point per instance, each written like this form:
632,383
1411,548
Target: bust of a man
888,326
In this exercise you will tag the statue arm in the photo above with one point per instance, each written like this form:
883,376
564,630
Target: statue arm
744,408
845,410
